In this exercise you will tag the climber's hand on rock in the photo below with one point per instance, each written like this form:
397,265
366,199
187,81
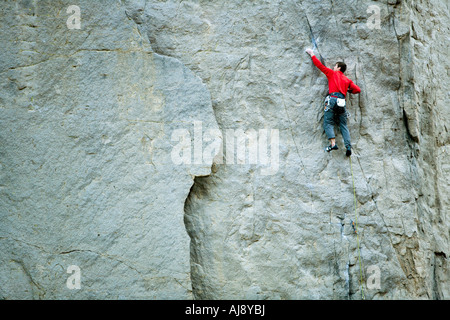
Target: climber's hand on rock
310,52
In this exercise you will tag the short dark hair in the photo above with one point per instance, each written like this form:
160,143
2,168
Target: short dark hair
342,65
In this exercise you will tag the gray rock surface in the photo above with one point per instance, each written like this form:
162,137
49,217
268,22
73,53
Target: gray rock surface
88,175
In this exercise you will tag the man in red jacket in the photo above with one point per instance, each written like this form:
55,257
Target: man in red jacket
335,112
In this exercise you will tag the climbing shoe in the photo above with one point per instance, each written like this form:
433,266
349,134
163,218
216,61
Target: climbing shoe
349,152
329,148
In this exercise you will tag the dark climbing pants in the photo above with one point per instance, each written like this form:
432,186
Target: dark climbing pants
334,116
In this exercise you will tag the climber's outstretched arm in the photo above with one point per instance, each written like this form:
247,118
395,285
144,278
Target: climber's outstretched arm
318,64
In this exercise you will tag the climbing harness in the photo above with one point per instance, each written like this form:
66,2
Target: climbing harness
355,228
326,103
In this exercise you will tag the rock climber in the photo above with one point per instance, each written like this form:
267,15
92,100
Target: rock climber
335,111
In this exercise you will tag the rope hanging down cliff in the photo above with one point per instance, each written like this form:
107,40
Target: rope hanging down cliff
356,231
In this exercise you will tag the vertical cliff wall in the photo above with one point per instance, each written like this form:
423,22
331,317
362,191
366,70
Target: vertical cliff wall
94,120
87,176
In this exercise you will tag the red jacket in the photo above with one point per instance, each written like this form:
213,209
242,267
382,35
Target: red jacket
337,81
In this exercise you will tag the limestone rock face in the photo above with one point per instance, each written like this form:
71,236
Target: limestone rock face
121,146
87,176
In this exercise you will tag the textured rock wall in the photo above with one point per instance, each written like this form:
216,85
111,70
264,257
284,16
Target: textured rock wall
88,176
